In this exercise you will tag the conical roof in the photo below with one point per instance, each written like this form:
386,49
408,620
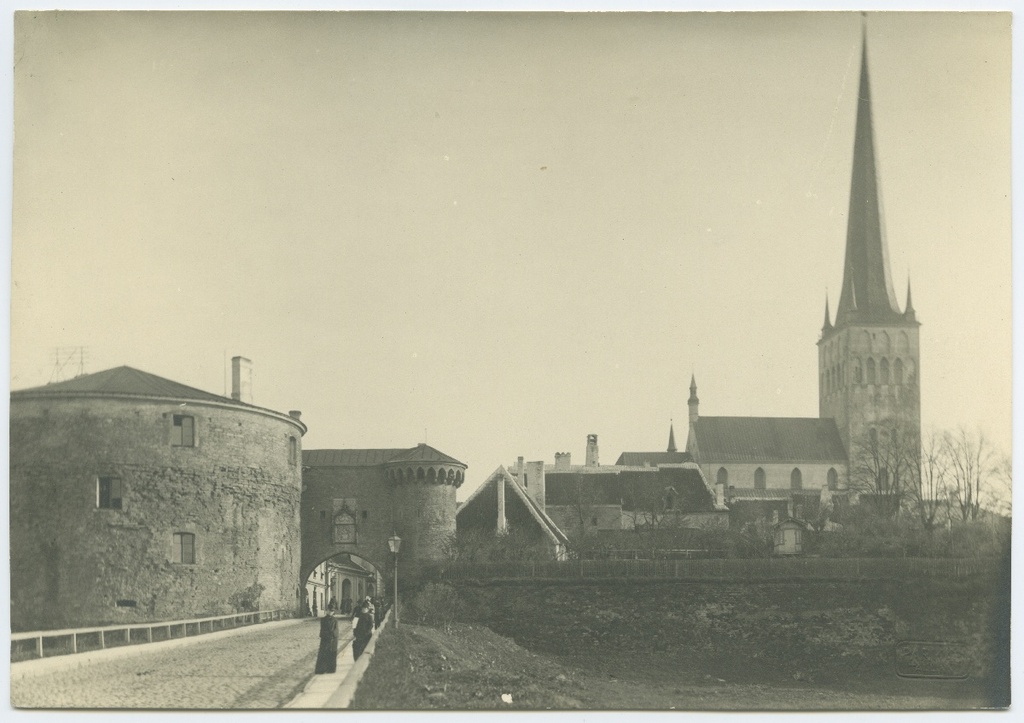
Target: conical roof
423,452
125,380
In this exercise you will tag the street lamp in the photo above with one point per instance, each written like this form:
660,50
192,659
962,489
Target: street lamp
394,543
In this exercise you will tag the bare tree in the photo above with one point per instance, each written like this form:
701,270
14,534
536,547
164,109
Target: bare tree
927,494
884,462
971,465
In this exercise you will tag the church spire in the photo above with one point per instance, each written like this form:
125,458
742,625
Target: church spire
693,402
671,437
867,287
828,317
908,311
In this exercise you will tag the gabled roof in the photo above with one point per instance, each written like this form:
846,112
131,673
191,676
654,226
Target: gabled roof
128,381
767,440
488,491
374,457
652,459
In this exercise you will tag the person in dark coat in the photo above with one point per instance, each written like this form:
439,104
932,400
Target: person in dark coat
327,658
378,612
363,631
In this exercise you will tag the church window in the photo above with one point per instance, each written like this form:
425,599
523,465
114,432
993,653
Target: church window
883,368
871,371
858,377
897,371
759,479
833,479
796,479
723,476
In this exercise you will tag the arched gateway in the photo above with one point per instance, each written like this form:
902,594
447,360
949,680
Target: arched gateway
353,500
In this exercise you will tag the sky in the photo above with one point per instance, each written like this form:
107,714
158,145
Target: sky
498,234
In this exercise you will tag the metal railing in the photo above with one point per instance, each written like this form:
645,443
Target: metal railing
120,635
724,569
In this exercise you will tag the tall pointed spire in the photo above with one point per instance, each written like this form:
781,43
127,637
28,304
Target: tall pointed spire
693,402
828,317
671,437
867,286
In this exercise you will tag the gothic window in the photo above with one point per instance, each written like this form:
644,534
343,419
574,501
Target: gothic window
723,476
897,371
871,371
833,479
883,368
759,479
796,479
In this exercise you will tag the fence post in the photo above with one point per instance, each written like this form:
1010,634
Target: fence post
39,646
103,642
74,642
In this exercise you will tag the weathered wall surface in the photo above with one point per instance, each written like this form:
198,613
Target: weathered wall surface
237,490
813,630
421,513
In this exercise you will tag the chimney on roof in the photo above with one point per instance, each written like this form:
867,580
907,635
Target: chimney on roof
592,451
241,379
295,414
563,460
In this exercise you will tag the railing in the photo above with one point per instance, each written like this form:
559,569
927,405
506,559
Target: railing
724,569
135,633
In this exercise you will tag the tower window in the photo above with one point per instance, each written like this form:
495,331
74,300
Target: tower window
293,450
723,476
871,371
897,371
183,432
833,479
858,376
796,479
759,482
108,493
883,368
184,552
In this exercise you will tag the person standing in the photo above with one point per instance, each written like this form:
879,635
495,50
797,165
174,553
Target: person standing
363,630
327,657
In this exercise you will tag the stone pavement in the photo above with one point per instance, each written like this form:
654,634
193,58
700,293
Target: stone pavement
261,669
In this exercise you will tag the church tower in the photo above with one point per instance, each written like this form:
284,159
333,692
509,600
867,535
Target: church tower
868,361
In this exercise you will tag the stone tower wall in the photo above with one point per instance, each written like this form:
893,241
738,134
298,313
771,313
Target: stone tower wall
237,490
856,405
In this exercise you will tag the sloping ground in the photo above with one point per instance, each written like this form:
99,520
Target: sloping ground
471,667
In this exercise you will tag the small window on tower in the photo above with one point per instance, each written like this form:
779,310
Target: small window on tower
108,493
183,431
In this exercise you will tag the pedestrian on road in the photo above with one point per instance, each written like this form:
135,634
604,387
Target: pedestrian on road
378,612
316,613
327,658
364,630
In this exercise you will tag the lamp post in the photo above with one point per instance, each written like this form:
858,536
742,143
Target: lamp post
394,543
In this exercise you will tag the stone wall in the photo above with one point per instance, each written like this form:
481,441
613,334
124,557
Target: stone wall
421,513
751,630
237,490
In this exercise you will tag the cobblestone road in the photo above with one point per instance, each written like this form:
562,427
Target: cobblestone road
255,669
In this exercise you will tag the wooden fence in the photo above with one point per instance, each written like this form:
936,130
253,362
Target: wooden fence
809,568
30,645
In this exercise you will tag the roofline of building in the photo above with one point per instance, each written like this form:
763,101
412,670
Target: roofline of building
761,461
155,399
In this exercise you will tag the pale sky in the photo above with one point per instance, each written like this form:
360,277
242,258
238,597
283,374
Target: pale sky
501,233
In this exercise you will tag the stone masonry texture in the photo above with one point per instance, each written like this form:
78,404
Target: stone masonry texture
237,490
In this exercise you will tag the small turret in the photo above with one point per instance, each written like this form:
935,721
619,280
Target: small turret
592,450
827,326
908,312
693,402
671,437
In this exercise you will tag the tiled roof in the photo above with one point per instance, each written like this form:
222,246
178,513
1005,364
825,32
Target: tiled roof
374,457
424,453
481,507
347,457
767,439
125,380
620,487
652,459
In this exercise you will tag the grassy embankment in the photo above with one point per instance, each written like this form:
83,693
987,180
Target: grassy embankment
469,666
